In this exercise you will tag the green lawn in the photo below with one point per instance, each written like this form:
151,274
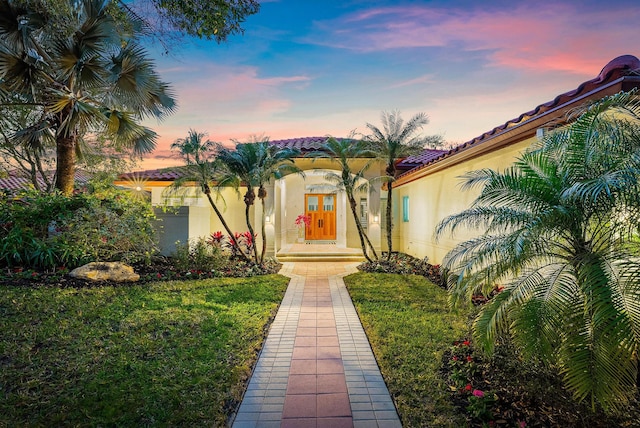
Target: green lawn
410,325
164,354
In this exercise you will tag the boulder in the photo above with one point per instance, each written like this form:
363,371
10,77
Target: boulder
105,271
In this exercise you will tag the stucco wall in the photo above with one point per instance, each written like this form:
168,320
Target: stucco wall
202,220
435,196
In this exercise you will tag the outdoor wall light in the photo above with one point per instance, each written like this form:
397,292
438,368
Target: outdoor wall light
375,219
267,219
138,188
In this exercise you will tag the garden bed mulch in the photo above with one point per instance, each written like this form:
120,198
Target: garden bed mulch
161,269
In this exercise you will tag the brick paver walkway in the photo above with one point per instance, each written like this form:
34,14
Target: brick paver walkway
316,368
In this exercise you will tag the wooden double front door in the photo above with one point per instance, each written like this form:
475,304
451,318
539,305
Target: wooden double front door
322,210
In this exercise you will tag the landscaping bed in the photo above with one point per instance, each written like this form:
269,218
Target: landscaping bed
161,269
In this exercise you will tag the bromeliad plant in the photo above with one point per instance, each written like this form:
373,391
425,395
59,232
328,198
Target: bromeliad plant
303,221
560,232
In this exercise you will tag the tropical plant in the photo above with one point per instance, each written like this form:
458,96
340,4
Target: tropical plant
397,140
91,78
44,231
253,165
344,151
201,168
559,232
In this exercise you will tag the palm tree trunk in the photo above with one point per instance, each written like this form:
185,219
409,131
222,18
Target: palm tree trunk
249,197
354,211
264,234
389,223
207,191
65,165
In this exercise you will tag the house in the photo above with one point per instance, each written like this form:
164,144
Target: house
425,192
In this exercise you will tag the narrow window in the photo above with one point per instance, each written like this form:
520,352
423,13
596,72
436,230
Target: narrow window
405,208
364,214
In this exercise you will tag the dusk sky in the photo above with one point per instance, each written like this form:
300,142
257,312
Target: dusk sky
315,68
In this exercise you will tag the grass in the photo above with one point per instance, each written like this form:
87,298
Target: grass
172,353
409,325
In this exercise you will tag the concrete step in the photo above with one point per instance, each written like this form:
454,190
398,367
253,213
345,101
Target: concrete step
319,257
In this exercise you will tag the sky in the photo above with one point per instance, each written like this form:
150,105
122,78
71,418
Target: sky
322,67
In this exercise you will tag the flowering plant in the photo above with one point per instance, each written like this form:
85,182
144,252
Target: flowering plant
303,219
480,405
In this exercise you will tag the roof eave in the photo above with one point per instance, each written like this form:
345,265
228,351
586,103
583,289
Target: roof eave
519,132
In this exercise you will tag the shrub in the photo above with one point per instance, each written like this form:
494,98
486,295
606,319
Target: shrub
198,255
42,231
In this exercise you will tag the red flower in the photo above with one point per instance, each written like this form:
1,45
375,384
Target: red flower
478,393
303,219
466,343
455,358
469,359
468,387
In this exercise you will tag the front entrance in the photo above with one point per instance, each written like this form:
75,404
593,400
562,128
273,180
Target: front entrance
322,210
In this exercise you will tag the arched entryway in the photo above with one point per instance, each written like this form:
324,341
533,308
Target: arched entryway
331,220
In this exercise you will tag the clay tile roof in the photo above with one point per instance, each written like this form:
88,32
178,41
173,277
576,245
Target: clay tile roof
304,144
164,174
425,157
17,180
625,65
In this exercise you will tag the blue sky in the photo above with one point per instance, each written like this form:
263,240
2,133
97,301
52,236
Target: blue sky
313,68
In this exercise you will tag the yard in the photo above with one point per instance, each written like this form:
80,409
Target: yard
180,353
159,354
434,373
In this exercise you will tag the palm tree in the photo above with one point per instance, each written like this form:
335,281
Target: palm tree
92,79
254,164
344,151
202,168
560,234
397,140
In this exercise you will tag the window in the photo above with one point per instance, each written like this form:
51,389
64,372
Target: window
327,204
405,208
364,213
312,203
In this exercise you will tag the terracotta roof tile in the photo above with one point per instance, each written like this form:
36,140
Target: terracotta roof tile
426,156
164,174
17,180
304,144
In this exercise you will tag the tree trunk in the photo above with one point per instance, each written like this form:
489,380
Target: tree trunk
389,223
262,195
65,167
207,191
249,197
354,211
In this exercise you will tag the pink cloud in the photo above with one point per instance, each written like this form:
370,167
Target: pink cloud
555,37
